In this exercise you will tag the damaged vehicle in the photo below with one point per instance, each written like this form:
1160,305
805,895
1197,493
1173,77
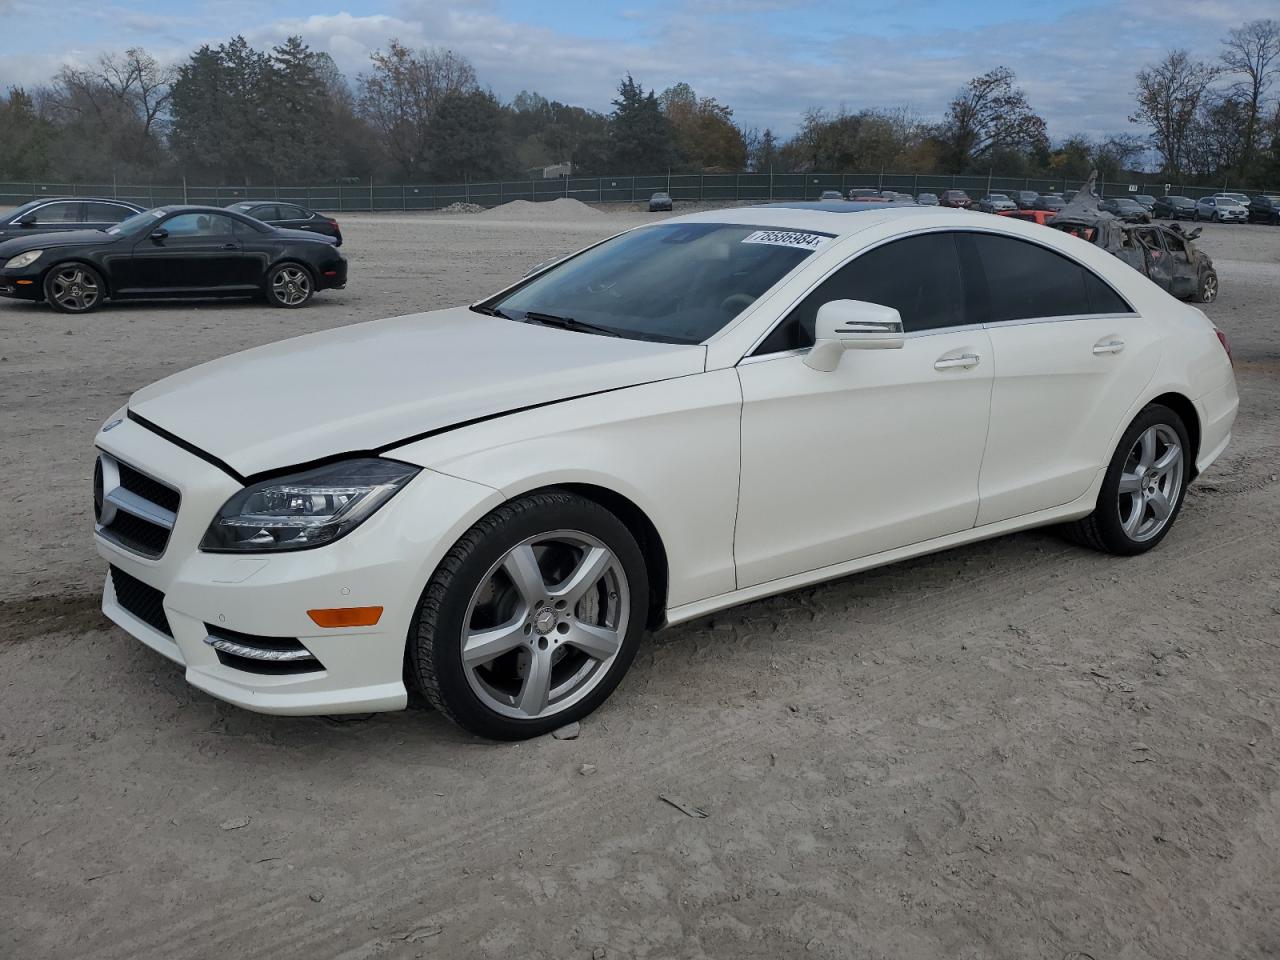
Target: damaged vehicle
1166,255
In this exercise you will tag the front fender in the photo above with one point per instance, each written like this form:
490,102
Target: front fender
672,448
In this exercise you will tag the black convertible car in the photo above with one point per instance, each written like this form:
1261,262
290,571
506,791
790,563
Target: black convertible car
168,253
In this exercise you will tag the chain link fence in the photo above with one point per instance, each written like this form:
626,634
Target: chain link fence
688,188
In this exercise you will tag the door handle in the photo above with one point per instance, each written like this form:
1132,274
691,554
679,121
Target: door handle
964,361
1112,345
230,246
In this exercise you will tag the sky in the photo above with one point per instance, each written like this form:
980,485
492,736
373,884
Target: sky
770,60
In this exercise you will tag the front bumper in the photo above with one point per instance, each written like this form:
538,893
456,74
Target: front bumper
385,562
22,284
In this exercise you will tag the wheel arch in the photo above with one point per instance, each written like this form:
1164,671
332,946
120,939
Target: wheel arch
82,261
297,262
642,528
1181,405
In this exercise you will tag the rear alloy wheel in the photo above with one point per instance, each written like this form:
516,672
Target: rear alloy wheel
532,618
73,288
1207,288
289,285
1144,486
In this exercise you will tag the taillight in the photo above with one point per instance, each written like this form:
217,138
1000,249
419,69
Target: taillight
1226,344
334,224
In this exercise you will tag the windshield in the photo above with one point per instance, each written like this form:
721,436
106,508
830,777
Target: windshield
137,222
678,283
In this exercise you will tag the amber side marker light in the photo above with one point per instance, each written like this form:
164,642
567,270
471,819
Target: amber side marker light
346,616
25,283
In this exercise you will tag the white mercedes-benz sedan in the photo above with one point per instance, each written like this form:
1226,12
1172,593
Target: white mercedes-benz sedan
490,505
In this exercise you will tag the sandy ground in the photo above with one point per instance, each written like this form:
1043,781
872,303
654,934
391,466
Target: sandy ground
1019,749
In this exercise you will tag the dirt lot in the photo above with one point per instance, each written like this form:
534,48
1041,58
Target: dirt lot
1019,749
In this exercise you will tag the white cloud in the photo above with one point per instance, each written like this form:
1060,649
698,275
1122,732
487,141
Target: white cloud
1077,69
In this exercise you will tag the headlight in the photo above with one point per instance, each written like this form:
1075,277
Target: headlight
307,509
23,260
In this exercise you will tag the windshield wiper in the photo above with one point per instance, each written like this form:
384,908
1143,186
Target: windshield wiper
489,311
568,323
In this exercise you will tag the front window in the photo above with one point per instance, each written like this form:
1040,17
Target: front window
676,283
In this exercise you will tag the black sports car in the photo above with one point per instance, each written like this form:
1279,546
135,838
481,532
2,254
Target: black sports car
64,213
290,216
1049,201
168,253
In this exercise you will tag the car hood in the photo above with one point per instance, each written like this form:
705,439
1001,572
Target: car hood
372,386
35,241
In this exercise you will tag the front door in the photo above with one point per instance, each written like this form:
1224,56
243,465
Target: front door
199,252
884,451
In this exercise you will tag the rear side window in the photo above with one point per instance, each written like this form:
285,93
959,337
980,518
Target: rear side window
1026,281
267,213
918,276
289,212
106,212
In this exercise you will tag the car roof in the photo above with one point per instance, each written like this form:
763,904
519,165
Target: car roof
836,217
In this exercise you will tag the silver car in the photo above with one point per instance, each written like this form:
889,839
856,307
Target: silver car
996,203
1221,209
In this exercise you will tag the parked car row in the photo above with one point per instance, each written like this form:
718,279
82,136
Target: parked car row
1135,208
77,253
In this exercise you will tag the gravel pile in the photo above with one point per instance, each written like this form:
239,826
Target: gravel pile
561,208
462,208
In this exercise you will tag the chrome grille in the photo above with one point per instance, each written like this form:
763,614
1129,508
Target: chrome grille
131,509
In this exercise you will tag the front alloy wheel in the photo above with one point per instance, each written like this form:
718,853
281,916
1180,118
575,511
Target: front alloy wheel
545,624
532,618
73,288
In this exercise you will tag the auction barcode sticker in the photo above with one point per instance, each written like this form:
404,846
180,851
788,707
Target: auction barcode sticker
787,238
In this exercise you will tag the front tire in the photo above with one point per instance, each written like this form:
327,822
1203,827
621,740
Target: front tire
290,286
74,288
1144,487
532,619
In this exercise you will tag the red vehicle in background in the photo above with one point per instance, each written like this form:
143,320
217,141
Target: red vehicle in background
955,198
1041,217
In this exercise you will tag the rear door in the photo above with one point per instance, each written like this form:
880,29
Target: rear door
1071,358
101,214
201,252
882,452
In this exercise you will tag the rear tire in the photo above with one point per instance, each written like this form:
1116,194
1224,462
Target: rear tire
74,288
532,618
290,285
1207,287
1143,489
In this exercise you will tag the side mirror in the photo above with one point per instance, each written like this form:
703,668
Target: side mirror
159,233
852,325
27,220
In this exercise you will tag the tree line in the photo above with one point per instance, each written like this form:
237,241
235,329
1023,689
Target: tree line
231,113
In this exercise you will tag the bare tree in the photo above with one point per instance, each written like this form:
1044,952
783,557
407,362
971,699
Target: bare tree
399,97
1169,96
990,114
1252,53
